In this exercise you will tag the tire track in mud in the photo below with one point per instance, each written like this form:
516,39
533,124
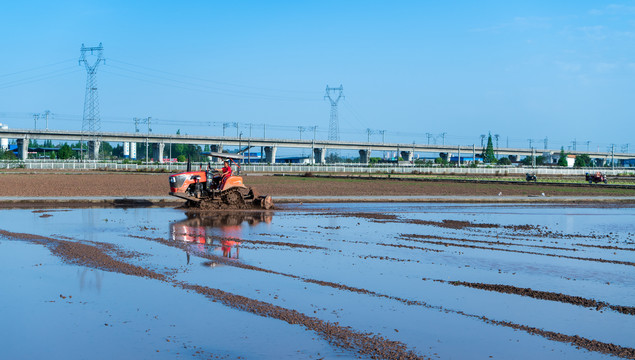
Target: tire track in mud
575,340
446,244
542,295
94,256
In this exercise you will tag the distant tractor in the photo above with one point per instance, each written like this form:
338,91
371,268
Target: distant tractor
596,178
212,189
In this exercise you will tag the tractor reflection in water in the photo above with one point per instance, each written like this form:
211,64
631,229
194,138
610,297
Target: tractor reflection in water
199,229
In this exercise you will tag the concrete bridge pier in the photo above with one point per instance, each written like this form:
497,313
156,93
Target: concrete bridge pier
319,155
157,151
364,156
93,149
270,154
23,148
407,155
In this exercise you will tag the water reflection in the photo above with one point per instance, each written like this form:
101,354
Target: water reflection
216,232
89,279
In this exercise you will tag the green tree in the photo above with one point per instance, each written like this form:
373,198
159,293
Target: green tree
504,161
65,152
181,158
488,154
527,160
441,161
582,160
105,149
562,161
118,151
7,155
53,155
540,160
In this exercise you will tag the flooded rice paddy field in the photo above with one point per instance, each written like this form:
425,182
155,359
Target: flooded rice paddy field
397,281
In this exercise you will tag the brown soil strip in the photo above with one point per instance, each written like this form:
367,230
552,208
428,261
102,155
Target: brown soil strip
93,256
589,344
544,295
374,346
409,247
418,236
606,247
451,224
629,263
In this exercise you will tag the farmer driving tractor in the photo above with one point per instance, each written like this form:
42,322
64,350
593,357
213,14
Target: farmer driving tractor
225,173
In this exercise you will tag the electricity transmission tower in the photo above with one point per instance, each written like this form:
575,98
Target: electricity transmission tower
334,127
91,123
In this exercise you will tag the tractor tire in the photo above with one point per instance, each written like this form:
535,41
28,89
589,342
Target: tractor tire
233,198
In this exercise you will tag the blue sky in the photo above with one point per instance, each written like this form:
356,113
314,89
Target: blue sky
523,70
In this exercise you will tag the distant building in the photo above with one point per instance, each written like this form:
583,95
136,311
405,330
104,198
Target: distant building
294,160
570,160
465,159
4,143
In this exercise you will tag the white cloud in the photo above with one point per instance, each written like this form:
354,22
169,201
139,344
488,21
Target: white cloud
605,67
569,67
596,32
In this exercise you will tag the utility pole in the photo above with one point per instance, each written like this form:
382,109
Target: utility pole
46,116
91,121
225,126
147,121
546,143
574,143
264,131
530,143
443,137
334,127
240,145
382,132
36,117
587,145
428,136
482,139
301,129
369,132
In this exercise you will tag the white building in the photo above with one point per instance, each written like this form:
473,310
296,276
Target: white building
4,143
130,150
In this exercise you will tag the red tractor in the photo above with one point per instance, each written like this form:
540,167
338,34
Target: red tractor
211,188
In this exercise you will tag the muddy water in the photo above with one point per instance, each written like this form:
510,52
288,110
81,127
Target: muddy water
319,281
